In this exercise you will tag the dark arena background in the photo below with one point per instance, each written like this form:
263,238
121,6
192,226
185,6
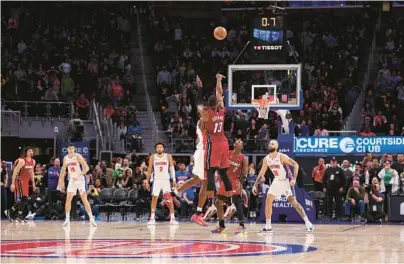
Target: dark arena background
114,78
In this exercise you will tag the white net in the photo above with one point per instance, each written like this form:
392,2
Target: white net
262,107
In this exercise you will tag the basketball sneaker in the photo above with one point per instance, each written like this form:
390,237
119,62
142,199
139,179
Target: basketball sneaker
20,219
266,229
151,222
7,213
173,222
66,222
310,227
219,230
240,230
210,212
198,219
92,222
230,211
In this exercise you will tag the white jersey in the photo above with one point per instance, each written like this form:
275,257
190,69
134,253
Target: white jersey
199,135
276,166
160,166
73,166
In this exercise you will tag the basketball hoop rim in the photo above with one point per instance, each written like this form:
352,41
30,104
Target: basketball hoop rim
262,103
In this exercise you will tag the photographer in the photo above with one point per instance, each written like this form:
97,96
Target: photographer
375,201
143,201
94,201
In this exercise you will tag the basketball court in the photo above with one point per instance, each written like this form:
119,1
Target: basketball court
123,242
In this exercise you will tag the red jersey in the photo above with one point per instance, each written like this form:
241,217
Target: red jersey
27,170
215,126
235,170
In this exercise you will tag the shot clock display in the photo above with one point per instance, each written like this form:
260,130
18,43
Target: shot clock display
268,38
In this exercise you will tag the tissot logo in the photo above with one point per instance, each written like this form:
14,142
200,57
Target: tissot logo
268,47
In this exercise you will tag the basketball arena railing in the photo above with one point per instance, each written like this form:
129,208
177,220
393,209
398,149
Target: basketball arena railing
354,120
10,123
39,109
97,125
149,107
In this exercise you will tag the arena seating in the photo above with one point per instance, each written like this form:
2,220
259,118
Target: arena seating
180,54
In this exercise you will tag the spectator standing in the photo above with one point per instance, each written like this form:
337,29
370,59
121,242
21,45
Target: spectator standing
53,179
82,105
389,179
318,175
399,165
334,183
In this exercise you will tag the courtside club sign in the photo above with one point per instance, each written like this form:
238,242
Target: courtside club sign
348,145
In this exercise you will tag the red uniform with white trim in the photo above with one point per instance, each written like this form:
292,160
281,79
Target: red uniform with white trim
234,172
23,178
217,146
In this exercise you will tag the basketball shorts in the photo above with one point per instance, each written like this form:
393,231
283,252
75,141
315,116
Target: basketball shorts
235,185
280,188
77,185
161,185
199,164
21,187
217,155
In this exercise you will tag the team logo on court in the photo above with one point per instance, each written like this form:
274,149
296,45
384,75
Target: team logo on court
142,248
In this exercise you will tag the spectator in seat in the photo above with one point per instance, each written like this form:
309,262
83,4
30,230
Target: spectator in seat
164,76
367,132
187,201
122,130
109,111
128,179
51,95
334,183
318,175
355,198
82,105
138,177
65,67
104,174
181,174
144,197
321,131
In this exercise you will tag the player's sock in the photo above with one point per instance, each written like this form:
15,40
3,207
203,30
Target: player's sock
198,210
68,216
172,216
152,215
268,224
175,191
221,223
306,220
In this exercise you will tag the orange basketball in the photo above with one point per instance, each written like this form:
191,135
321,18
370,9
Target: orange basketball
220,33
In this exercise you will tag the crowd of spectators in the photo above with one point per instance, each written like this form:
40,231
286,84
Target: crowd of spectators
383,109
183,48
365,187
69,51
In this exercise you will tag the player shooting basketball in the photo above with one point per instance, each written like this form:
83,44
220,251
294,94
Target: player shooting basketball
217,146
281,185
